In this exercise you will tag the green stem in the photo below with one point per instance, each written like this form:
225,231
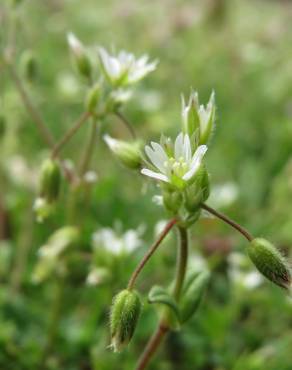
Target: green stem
126,123
53,324
182,260
69,134
163,328
89,149
228,221
150,252
30,107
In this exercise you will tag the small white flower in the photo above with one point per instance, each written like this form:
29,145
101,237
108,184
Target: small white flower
114,243
176,165
124,68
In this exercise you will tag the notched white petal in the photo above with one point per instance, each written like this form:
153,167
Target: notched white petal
154,175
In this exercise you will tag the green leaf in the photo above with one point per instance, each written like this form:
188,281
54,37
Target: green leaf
193,291
159,295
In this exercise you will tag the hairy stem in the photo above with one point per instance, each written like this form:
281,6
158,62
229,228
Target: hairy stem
150,252
228,221
30,107
182,260
152,346
126,123
69,134
89,149
163,328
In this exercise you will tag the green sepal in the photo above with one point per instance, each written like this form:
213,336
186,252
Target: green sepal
193,291
160,296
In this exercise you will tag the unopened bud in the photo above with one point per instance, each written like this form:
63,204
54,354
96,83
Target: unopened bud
172,200
29,65
269,261
128,153
50,180
93,98
80,56
198,191
124,316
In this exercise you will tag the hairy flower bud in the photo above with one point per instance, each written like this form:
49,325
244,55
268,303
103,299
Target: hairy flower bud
270,262
50,180
124,316
80,56
128,153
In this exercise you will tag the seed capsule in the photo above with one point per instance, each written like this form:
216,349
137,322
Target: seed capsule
269,261
124,316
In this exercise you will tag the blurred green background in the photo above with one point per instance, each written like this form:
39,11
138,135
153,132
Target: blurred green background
242,49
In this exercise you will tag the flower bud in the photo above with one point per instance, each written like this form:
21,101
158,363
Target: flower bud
269,261
92,98
124,316
128,153
50,180
172,200
29,65
190,117
198,191
80,56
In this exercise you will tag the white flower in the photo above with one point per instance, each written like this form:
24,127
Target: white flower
176,165
114,243
196,116
124,68
75,44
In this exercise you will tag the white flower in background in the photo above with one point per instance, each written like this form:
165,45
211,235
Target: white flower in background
240,274
196,117
124,68
108,239
97,275
223,195
177,165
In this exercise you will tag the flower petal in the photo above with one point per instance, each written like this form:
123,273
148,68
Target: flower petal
187,149
155,158
178,146
196,162
154,175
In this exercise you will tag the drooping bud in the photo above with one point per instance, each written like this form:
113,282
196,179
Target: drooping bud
269,261
124,316
51,254
128,153
92,98
29,65
50,180
80,56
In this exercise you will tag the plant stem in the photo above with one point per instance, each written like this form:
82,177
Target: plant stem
32,110
126,123
150,252
89,149
182,260
53,324
228,221
163,328
69,134
152,346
